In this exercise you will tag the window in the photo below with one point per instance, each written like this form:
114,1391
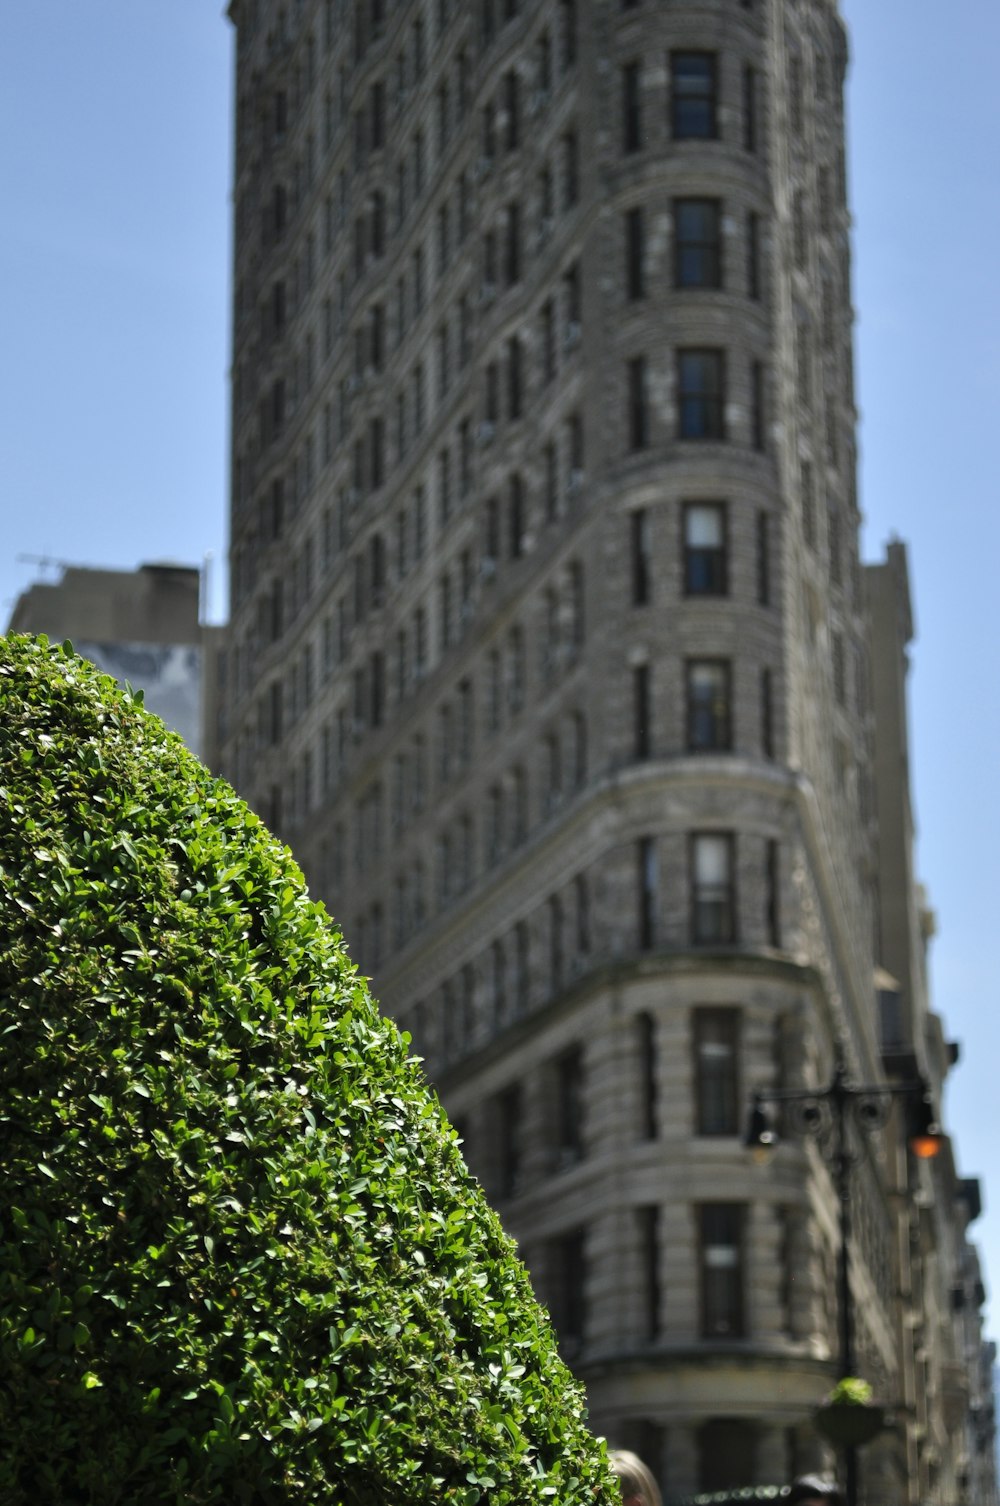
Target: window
548,341
577,620
515,517
522,976
631,108
635,254
498,982
566,1289
574,435
713,908
515,670
569,1100
567,33
640,556
697,243
444,743
444,486
515,384
544,64
465,722
579,722
509,1115
551,482
491,548
700,394
705,551
511,100
834,546
570,170
491,398
641,711
808,504
839,668
753,254
645,1027
573,300
638,407
749,108
721,1231
512,245
727,1454
766,714
716,1047
693,96
581,892
708,706
494,823
553,771
446,616
519,806
648,884
648,1222
493,682
772,895
556,951
763,559
757,408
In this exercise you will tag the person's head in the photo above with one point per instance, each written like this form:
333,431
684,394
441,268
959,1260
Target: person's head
637,1484
813,1490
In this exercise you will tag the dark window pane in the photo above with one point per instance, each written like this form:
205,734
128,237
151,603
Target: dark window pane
705,572
708,699
698,261
700,394
721,1270
716,1037
693,95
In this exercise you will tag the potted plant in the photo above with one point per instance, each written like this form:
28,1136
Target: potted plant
849,1417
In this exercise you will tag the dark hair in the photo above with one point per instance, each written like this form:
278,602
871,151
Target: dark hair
814,1488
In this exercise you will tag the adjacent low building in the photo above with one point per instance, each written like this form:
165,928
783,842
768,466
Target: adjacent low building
142,626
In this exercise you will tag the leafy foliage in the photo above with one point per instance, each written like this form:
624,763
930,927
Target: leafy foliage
852,1391
241,1260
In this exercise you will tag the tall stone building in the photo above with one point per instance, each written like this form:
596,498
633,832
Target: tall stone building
548,649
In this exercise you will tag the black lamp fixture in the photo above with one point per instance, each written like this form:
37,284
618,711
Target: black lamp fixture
761,1139
815,1110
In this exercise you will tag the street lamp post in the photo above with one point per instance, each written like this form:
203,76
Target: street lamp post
825,1114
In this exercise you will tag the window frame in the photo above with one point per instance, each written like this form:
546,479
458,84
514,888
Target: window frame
701,394
637,369
722,1226
635,253
713,902
707,97
631,76
705,562
703,249
717,1098
718,712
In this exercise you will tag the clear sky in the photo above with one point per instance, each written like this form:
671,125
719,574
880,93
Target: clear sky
114,165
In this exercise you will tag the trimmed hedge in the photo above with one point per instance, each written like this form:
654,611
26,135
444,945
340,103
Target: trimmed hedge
241,1259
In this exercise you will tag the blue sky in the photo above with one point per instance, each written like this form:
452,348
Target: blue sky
115,156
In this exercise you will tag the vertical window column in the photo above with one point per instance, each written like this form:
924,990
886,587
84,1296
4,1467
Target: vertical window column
722,1276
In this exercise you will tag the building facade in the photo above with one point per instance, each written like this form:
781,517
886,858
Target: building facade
549,649
946,1366
142,626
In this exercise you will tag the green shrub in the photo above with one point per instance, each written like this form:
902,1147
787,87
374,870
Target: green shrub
241,1259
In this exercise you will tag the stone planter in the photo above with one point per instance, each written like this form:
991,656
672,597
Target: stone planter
849,1426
